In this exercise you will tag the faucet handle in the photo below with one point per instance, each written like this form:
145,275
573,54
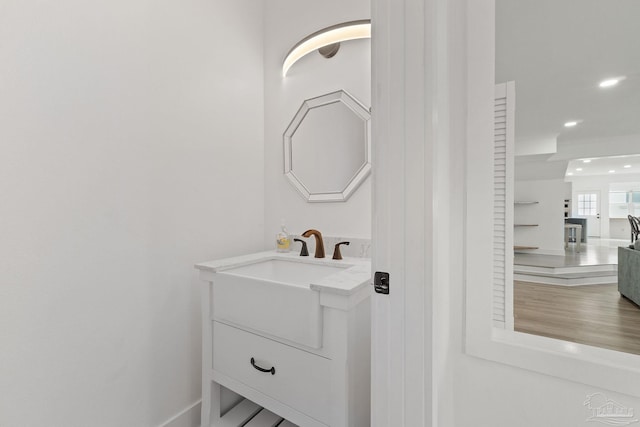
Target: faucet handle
336,250
303,251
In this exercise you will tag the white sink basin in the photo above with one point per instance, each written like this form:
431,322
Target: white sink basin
273,296
286,272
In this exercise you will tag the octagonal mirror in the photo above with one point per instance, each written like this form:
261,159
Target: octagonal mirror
327,147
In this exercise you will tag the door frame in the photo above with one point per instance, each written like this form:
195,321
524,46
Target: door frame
412,87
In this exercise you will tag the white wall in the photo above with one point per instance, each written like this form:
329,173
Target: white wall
548,213
131,141
286,23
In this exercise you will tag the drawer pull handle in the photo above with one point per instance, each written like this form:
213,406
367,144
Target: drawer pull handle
253,363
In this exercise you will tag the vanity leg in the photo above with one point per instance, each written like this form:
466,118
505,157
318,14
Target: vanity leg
339,369
205,414
211,398
210,413
351,365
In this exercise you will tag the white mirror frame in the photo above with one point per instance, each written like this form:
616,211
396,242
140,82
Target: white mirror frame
359,110
597,367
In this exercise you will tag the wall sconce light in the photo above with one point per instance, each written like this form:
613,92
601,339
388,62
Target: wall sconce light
327,41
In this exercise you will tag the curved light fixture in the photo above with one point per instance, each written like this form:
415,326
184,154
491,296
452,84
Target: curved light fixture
351,30
611,82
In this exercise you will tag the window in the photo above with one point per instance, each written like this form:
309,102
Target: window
618,204
623,203
587,204
635,203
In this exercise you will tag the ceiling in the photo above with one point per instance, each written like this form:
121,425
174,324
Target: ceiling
557,51
617,165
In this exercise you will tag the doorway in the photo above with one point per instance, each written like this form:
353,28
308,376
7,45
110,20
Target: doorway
588,206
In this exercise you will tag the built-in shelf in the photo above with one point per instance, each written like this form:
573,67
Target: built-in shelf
524,247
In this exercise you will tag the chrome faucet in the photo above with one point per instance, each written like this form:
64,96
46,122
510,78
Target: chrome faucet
319,242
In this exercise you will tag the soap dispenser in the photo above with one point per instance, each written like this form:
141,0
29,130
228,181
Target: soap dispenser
283,240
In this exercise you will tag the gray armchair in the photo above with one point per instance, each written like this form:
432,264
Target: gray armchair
629,273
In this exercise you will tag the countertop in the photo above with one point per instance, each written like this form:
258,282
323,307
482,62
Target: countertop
355,276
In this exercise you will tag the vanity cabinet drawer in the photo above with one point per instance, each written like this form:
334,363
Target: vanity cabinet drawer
300,380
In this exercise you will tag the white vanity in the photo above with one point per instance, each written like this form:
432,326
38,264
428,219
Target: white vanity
290,334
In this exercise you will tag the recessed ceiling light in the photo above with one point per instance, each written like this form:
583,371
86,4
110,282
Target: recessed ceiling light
627,166
570,124
578,169
586,161
569,173
611,82
612,171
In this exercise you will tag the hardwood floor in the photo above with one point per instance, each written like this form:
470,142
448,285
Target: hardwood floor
595,315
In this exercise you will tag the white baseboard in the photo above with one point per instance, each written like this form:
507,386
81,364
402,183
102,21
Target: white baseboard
189,417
